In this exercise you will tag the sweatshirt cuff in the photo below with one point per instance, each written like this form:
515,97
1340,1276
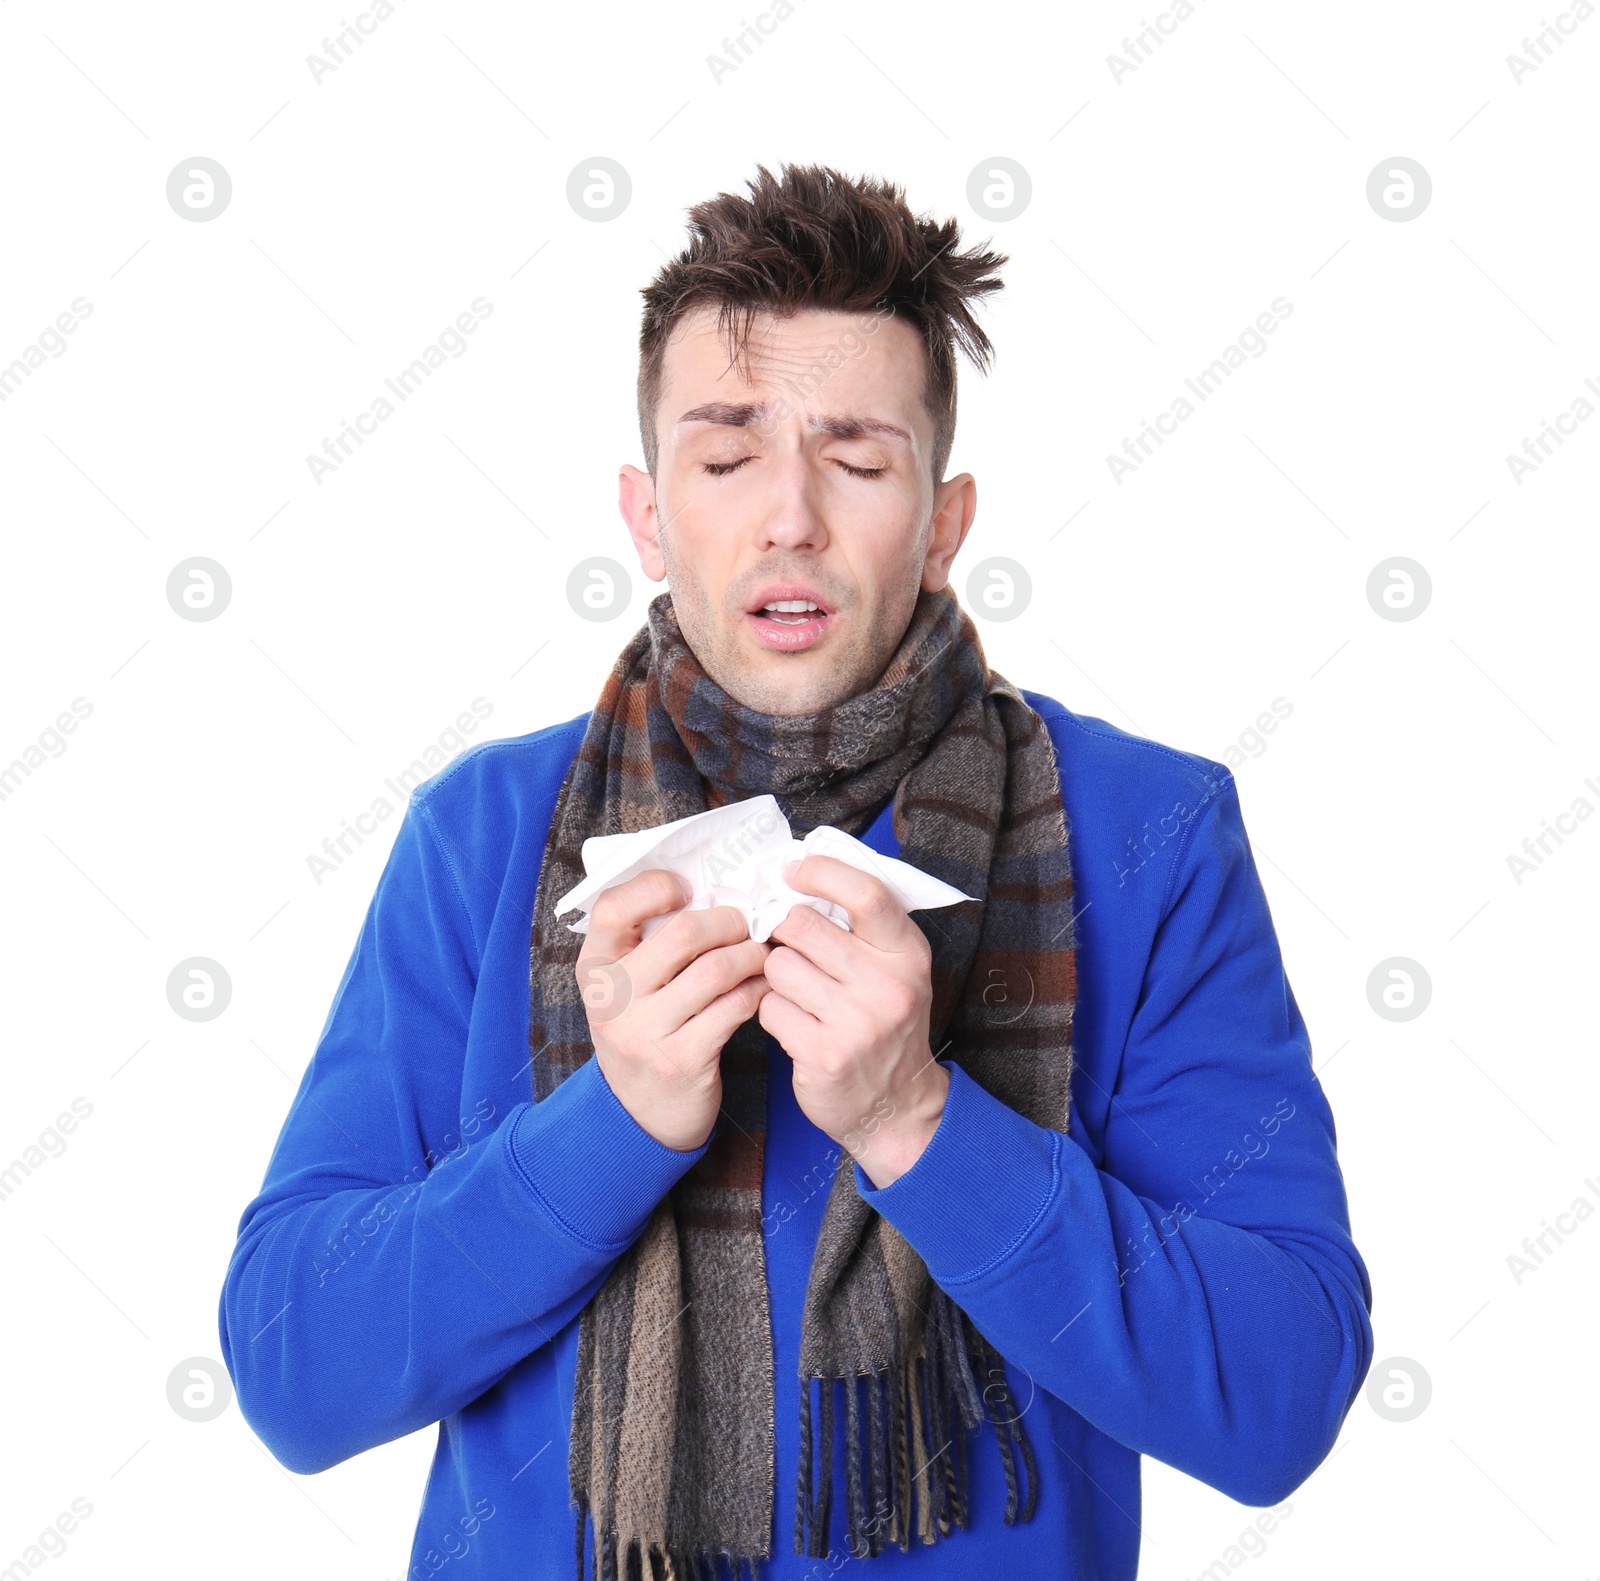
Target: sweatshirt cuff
980,1186
593,1168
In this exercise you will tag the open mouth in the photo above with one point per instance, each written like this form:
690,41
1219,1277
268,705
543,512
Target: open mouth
789,619
790,611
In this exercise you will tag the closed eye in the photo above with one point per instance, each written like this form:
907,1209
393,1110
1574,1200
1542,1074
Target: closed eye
720,469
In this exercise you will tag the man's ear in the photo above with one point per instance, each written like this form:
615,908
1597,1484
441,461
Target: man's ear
636,496
955,503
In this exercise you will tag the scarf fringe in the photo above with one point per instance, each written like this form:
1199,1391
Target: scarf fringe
917,1434
653,1562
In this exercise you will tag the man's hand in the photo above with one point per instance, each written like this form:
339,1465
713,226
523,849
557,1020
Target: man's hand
660,1010
851,1010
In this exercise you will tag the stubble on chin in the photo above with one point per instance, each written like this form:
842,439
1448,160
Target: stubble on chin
828,678
857,658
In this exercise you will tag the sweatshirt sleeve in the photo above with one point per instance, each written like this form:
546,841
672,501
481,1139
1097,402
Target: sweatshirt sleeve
1196,1296
407,1249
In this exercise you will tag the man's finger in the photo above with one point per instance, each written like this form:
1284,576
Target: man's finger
680,940
618,912
822,942
784,1019
875,914
728,1012
801,981
707,977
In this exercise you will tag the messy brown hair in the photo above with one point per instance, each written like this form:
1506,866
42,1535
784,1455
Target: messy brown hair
812,238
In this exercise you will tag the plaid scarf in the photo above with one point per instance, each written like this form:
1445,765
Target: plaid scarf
672,1449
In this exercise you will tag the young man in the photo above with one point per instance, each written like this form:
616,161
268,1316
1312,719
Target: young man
957,1213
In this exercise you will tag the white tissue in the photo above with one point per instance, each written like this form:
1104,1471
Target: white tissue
734,856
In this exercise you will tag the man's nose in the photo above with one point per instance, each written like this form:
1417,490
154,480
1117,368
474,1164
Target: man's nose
793,513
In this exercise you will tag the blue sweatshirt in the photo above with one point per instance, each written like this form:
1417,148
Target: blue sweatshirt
1174,1276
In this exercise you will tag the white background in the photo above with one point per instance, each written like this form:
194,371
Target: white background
368,611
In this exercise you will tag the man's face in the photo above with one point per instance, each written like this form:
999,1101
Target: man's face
809,483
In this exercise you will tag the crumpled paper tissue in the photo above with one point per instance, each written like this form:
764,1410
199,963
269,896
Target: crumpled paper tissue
734,855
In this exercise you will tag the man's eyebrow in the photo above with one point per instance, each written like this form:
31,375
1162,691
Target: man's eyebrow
748,414
855,427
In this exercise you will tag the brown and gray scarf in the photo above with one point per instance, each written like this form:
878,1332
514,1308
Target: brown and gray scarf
672,1449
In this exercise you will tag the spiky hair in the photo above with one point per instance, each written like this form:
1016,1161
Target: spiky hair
812,238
